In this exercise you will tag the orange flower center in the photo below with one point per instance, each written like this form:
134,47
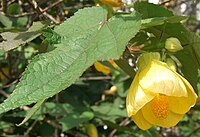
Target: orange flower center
160,106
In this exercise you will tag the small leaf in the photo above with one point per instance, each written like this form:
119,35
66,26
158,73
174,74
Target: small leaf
13,40
110,109
74,119
5,20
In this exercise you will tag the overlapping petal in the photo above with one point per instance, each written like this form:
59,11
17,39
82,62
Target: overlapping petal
157,77
140,121
136,97
181,105
171,120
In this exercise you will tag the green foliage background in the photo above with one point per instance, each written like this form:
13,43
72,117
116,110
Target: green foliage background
54,65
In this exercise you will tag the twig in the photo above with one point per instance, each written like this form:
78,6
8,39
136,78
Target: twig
10,2
24,107
50,17
123,123
56,132
30,128
164,2
4,6
10,84
2,92
52,5
10,59
96,78
54,124
33,3
21,15
41,11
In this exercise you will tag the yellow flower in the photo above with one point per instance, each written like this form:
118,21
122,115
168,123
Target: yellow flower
158,95
113,3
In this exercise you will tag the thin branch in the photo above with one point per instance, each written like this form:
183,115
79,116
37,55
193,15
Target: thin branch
2,92
56,131
54,124
4,6
21,15
30,128
52,5
123,123
50,17
96,78
34,12
164,2
35,6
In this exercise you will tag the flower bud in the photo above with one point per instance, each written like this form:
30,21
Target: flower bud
171,64
173,45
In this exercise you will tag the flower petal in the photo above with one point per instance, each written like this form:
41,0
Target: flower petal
136,97
171,120
146,58
181,105
188,86
140,121
102,68
157,77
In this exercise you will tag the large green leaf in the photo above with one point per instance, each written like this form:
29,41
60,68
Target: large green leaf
189,66
87,37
